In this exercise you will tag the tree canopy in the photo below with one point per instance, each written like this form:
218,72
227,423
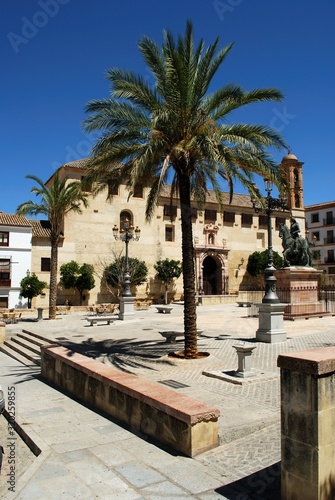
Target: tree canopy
114,272
31,286
175,128
72,275
167,270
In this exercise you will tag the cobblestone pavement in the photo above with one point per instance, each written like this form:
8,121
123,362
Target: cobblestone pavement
246,465
15,450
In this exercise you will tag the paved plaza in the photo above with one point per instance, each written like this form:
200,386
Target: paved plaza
88,455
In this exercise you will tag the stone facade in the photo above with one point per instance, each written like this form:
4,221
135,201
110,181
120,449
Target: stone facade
223,240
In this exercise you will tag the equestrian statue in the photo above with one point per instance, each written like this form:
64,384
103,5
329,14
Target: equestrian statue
296,249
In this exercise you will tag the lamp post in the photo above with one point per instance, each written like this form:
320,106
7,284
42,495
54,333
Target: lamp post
269,205
126,234
271,311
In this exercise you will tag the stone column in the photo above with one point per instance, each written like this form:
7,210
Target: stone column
308,424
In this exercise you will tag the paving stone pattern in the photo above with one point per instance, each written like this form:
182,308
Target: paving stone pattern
86,455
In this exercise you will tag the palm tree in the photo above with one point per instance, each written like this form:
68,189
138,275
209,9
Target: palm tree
57,200
176,131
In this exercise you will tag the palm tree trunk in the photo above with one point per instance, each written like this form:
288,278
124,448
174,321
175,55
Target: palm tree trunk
190,315
53,279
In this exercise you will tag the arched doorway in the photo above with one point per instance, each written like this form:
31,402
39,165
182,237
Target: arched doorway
210,276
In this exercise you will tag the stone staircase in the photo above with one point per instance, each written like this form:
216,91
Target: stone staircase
25,347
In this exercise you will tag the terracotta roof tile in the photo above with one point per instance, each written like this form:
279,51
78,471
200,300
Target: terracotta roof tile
41,228
13,220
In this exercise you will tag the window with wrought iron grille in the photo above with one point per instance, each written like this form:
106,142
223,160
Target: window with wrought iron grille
210,215
169,233
194,213
170,211
280,220
45,263
138,191
4,272
4,238
229,216
246,219
263,221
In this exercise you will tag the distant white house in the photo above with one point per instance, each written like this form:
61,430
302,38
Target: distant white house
15,257
320,219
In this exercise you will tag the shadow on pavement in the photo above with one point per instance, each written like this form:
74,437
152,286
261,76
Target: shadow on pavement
123,354
262,485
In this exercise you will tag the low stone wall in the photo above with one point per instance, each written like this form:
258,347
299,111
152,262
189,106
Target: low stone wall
183,423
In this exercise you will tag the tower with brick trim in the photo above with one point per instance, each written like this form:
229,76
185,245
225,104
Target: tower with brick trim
292,169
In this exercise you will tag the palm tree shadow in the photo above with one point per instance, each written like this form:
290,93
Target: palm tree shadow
264,484
125,354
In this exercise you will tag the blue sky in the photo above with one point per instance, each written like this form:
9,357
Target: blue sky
55,53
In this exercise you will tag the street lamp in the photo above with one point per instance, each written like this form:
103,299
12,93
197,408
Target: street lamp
127,233
268,206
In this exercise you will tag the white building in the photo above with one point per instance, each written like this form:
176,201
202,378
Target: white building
15,257
320,223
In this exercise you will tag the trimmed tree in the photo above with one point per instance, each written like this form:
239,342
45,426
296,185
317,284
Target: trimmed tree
114,272
167,271
258,262
79,277
177,131
31,286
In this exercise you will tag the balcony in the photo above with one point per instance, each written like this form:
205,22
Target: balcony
330,221
5,283
329,240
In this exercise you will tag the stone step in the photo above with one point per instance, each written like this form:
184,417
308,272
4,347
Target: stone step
34,340
29,346
39,337
19,357
14,347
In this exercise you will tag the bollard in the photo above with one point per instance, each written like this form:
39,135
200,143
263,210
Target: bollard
39,313
2,332
244,353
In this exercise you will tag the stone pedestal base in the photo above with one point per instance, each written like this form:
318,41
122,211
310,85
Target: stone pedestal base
126,308
271,323
298,287
307,424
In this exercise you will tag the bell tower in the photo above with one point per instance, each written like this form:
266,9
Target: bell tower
292,169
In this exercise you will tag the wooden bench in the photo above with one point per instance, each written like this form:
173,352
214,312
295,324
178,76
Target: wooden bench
184,423
95,319
164,309
171,335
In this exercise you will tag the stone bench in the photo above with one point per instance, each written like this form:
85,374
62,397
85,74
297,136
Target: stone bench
164,309
96,319
171,335
243,303
185,424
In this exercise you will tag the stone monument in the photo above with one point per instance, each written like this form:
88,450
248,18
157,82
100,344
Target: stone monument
297,282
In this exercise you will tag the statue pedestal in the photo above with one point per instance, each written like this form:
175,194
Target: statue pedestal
297,286
126,308
271,323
